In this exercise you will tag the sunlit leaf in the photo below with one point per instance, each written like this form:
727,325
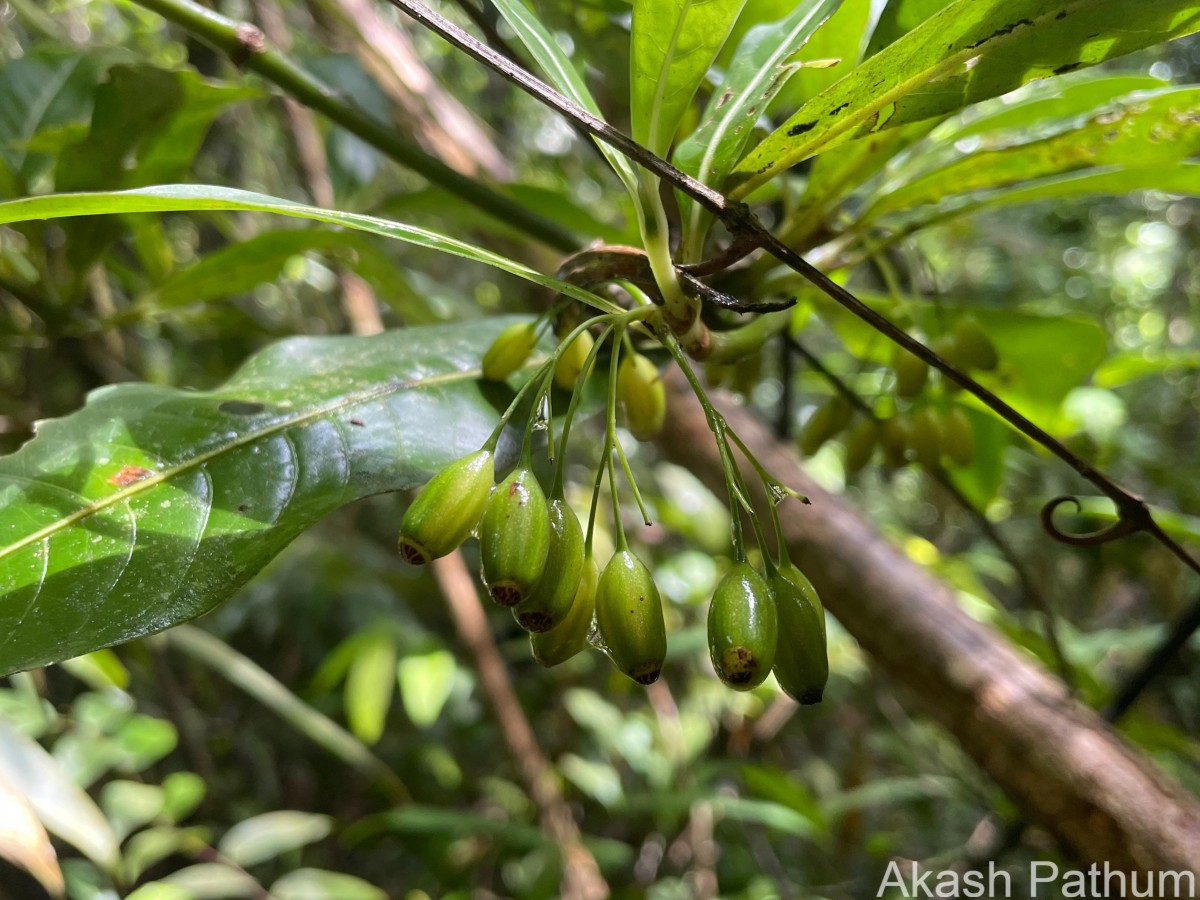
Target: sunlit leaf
764,61
426,681
971,51
370,681
65,810
316,884
267,835
673,44
24,842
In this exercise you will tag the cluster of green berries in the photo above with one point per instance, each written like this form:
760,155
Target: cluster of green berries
930,431
748,613
536,560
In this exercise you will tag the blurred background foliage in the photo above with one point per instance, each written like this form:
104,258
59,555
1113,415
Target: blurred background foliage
367,763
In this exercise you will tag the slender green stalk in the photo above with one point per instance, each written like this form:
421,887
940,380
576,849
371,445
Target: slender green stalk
243,673
245,45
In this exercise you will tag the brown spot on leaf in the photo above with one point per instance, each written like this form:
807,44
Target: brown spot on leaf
130,475
241,407
359,422
801,128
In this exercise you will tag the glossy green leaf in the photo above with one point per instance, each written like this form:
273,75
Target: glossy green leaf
60,804
151,504
370,682
672,46
146,848
971,51
562,74
1143,129
764,61
267,835
192,198
317,884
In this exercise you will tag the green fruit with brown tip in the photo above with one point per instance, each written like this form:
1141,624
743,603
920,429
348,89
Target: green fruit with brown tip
448,508
629,615
801,657
974,346
563,641
958,436
514,537
949,349
640,390
574,357
551,600
509,351
860,445
828,421
742,628
925,438
893,438
912,373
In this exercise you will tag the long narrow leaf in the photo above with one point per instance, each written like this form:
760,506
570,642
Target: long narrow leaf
761,67
972,50
673,44
190,197
562,74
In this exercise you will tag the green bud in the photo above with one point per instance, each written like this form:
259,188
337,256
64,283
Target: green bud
925,438
801,658
860,445
629,614
975,347
560,643
640,390
911,373
828,421
509,351
958,436
551,600
742,628
571,363
447,509
514,537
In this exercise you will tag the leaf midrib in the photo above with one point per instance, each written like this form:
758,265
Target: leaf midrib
340,403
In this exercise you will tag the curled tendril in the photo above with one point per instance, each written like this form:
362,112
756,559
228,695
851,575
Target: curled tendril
1119,529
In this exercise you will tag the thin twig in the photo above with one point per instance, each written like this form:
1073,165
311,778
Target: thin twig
581,875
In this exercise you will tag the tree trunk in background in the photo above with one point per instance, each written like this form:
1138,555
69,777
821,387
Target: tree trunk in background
1066,768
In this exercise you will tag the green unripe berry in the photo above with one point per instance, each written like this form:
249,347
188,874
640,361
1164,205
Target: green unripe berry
912,373
509,351
572,361
448,508
925,438
828,421
949,349
958,436
563,641
640,390
718,374
551,600
894,438
975,347
742,628
801,657
514,537
860,445
629,614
